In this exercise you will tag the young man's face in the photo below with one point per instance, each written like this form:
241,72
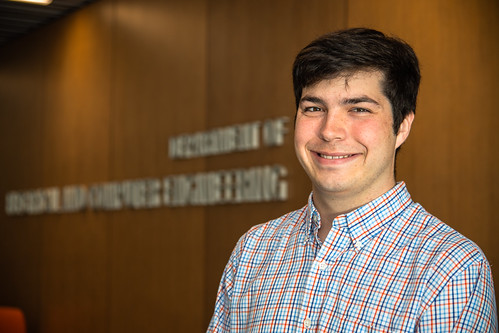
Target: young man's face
344,137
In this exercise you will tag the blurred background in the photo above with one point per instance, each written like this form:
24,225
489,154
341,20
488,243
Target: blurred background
91,91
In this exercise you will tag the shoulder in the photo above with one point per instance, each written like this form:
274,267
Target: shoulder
440,253
275,228
437,240
431,247
266,236
455,274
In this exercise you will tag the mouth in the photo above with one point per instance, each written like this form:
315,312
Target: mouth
335,157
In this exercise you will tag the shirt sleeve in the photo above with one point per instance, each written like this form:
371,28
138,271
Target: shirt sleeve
220,321
466,304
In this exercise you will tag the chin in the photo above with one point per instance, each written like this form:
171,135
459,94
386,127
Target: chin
331,188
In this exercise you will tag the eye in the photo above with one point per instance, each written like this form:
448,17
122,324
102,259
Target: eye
312,109
360,110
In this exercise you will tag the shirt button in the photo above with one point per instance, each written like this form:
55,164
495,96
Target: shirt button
307,323
322,266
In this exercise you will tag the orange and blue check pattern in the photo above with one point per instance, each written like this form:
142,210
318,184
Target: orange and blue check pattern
388,266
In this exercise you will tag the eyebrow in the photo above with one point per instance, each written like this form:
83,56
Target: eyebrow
357,100
345,101
312,99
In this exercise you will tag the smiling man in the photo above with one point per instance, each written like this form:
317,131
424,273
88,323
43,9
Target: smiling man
361,256
345,141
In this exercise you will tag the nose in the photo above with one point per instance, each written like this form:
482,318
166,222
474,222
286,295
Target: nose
333,126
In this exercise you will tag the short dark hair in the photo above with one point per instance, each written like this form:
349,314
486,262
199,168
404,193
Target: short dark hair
348,51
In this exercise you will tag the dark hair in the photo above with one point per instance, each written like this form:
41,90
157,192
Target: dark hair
348,51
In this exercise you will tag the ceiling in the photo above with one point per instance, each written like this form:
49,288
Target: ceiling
17,18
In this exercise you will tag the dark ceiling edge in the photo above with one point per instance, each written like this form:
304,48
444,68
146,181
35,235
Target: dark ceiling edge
14,36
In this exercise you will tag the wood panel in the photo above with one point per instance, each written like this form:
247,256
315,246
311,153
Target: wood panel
75,148
159,88
20,150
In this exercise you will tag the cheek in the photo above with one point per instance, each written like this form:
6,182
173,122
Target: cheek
303,132
373,134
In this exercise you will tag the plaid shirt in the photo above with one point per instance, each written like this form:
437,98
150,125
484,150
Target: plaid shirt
388,266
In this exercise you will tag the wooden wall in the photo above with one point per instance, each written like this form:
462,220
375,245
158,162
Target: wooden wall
95,96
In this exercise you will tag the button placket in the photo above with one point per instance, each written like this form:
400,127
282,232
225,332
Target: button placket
322,266
307,323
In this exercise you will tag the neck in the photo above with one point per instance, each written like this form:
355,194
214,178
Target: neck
331,205
330,208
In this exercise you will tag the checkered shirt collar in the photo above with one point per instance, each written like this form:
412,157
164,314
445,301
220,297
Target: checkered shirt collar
367,221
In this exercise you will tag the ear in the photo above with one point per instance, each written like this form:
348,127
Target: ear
404,129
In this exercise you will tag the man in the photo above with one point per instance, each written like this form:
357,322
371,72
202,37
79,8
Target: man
361,256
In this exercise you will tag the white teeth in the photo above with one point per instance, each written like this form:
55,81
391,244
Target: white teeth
334,157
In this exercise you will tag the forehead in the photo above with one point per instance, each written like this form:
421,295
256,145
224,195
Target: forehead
355,82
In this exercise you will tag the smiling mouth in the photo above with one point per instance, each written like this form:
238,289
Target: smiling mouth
337,157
